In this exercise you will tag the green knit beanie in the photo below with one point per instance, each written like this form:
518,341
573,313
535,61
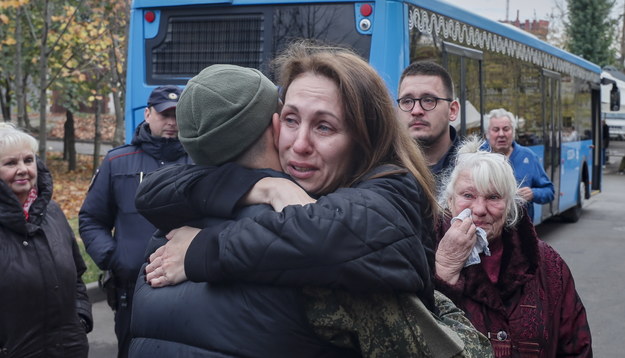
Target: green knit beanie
222,111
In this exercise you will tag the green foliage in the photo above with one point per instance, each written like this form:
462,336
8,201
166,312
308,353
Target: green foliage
590,30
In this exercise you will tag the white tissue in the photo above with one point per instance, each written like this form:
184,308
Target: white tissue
481,244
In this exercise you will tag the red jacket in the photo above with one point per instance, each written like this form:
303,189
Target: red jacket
533,310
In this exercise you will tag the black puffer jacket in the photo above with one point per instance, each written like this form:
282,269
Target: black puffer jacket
201,319
376,236
42,295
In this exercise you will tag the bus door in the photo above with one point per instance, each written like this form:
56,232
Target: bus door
465,67
552,125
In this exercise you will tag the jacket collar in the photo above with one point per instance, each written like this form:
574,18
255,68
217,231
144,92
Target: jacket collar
166,149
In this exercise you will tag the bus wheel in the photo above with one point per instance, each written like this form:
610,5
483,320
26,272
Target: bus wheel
573,214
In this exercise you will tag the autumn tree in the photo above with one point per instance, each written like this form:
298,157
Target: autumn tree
18,51
590,30
80,68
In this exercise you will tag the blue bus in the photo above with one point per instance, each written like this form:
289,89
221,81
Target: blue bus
555,94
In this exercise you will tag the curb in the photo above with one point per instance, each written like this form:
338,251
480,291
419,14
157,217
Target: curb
95,293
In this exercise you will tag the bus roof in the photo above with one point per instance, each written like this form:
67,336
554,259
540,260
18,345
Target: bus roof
438,6
444,8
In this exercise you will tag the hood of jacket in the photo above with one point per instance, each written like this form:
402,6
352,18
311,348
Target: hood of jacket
167,149
11,215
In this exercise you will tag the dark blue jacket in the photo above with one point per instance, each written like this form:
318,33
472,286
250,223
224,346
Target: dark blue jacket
221,320
110,203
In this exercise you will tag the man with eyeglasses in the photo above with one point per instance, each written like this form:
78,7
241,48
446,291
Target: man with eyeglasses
427,106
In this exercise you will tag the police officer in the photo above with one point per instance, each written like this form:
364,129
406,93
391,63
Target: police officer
114,233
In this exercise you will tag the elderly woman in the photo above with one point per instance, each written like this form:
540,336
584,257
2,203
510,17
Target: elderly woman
522,296
45,309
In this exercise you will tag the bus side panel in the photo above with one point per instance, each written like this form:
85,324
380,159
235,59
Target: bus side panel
136,93
388,43
574,156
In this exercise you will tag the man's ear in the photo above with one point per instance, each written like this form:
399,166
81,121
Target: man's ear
454,110
275,123
146,114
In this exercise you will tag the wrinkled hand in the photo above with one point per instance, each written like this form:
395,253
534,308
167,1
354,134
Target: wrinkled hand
454,249
526,193
277,192
166,266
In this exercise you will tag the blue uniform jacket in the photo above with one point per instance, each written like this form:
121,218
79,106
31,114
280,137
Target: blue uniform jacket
115,234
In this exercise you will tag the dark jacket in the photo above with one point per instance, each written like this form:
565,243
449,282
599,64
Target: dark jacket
222,320
376,236
42,295
110,203
533,310
448,160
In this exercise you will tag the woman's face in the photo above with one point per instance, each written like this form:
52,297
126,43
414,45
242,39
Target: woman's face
314,144
487,210
18,169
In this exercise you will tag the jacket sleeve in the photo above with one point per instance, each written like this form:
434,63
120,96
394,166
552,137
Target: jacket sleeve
97,217
542,187
356,238
83,304
393,325
176,194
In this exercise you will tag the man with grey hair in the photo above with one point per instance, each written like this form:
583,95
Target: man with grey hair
534,184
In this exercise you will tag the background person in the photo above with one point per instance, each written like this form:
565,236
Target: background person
523,296
605,135
45,309
115,235
427,106
534,184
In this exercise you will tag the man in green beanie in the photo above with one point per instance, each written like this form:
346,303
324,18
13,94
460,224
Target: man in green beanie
224,116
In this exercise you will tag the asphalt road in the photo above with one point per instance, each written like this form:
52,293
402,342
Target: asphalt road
594,249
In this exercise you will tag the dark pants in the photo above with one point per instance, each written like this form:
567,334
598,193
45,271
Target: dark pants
122,319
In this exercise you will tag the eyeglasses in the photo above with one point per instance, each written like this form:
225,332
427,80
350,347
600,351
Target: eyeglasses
428,103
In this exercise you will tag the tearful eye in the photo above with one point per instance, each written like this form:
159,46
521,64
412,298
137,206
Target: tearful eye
324,128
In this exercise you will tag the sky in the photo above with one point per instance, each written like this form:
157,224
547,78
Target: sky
496,9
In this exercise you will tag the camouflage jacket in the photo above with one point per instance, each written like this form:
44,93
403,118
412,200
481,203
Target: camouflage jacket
393,325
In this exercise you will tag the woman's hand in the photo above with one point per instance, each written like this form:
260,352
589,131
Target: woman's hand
167,262
277,192
454,249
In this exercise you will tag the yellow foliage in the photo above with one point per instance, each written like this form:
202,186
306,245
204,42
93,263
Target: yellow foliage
4,19
9,41
7,4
